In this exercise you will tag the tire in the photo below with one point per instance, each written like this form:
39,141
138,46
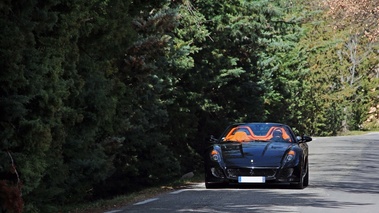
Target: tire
299,185
304,180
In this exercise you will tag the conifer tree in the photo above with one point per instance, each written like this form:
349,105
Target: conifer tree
57,95
243,63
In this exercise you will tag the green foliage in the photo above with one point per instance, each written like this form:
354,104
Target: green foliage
340,75
249,73
100,98
57,111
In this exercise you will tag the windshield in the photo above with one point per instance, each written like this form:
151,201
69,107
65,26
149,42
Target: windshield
257,132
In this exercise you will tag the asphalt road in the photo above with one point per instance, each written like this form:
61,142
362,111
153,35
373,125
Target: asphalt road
344,177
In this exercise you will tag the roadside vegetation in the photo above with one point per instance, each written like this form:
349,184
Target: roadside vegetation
117,202
101,99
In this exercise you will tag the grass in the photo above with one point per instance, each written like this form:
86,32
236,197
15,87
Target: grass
356,132
101,206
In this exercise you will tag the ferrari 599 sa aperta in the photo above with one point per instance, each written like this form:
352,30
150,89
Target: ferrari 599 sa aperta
257,153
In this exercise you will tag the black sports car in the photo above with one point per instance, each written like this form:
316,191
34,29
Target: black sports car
252,153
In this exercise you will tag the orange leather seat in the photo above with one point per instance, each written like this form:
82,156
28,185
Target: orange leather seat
240,137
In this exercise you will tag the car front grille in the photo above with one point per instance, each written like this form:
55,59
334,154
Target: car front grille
235,172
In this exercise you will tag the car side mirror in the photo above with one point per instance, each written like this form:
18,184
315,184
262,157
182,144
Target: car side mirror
304,139
212,139
307,138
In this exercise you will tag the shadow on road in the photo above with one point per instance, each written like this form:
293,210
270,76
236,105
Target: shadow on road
261,199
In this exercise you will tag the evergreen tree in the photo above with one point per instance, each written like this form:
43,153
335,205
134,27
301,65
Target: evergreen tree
57,95
243,64
32,93
145,159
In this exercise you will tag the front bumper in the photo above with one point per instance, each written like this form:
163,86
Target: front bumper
271,174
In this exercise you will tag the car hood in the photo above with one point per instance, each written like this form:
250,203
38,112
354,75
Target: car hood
254,154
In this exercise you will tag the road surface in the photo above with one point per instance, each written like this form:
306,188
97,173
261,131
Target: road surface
344,177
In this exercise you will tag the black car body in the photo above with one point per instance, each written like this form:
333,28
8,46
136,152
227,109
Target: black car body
252,153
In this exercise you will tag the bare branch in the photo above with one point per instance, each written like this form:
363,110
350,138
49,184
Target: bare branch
14,169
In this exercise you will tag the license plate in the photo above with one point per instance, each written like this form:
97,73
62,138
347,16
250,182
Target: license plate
249,179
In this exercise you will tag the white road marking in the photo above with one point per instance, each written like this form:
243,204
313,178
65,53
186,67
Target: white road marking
145,201
178,191
113,211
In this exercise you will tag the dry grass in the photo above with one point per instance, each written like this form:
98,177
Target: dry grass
357,132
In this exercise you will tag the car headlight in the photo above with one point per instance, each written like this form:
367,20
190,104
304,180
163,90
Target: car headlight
215,156
290,156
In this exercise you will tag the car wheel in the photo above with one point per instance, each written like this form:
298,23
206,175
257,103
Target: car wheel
299,185
303,179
